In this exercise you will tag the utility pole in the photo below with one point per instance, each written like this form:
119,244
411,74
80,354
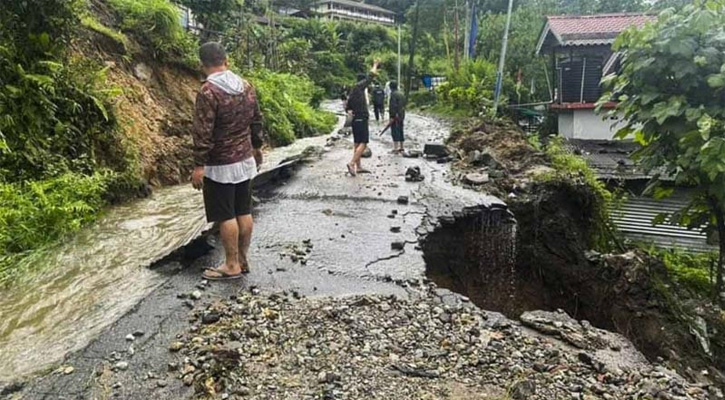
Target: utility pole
502,60
411,57
399,52
467,36
456,59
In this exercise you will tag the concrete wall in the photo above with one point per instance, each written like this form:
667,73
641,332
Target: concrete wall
586,124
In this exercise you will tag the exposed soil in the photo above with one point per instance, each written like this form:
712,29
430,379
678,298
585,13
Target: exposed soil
553,267
155,106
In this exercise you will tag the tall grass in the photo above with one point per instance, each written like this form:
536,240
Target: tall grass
156,23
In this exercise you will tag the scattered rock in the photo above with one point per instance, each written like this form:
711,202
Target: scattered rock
143,72
477,178
176,346
403,200
395,229
195,295
68,370
398,246
161,383
120,366
367,153
210,318
435,150
413,174
130,337
523,390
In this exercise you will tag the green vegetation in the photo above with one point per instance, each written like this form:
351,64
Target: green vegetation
63,156
286,102
694,271
670,93
37,213
92,23
155,24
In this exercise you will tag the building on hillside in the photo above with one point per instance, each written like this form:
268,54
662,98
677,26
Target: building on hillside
580,48
581,54
353,11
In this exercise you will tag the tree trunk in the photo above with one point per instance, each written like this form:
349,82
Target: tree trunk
411,58
720,220
456,58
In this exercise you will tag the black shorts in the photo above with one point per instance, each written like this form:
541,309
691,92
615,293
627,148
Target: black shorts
360,132
225,201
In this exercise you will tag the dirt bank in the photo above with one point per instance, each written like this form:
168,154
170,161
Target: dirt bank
154,103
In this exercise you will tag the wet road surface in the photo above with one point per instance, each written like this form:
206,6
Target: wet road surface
348,220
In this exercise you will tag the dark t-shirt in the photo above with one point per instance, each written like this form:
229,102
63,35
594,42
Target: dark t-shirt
378,96
356,101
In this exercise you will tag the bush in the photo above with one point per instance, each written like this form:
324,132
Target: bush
156,23
287,101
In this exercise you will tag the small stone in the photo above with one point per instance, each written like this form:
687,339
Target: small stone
403,200
188,380
117,385
196,295
210,318
68,370
476,178
523,390
130,337
176,346
399,246
395,229
121,366
172,366
138,333
161,383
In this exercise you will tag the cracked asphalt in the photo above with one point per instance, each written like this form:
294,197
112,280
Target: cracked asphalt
348,221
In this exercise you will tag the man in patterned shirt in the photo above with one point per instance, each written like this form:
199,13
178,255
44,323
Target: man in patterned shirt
227,141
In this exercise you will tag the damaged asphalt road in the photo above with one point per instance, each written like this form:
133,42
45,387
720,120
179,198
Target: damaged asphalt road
351,224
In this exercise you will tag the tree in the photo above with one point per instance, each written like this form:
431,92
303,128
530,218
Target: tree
670,93
215,15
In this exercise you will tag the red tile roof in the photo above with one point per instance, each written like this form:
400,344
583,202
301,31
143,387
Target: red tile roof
578,30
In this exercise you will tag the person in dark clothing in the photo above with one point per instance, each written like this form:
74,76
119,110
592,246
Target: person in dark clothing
358,106
379,102
397,116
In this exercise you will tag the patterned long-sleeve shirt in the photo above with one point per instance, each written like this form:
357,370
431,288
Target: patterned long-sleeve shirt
227,127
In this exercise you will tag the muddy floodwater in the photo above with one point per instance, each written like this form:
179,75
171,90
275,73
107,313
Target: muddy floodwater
93,278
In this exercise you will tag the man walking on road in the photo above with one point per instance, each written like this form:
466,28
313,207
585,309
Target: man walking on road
379,102
397,116
358,106
227,141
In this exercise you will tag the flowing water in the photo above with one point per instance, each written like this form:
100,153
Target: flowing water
89,281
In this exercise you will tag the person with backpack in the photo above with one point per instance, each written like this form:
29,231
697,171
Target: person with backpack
358,107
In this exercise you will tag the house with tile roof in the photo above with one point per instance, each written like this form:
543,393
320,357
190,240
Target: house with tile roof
580,49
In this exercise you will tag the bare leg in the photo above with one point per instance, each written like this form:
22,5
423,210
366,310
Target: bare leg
246,225
357,157
229,231
353,165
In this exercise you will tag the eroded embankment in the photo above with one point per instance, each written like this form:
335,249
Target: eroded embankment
544,260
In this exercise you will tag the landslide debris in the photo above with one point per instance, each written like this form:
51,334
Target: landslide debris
436,345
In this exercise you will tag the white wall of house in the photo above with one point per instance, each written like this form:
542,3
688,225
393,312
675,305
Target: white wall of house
586,124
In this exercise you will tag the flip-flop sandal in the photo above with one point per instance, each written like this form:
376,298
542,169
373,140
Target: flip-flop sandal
223,276
363,171
350,170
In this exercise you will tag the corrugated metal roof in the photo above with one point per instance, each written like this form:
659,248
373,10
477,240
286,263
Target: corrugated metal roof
634,220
